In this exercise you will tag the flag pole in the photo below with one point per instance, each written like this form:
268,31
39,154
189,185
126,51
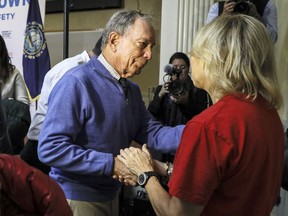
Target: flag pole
68,4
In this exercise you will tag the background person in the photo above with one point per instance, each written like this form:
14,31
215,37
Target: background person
264,10
5,143
24,190
12,82
178,109
92,116
177,104
230,158
29,153
15,99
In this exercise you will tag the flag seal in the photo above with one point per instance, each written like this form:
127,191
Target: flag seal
34,42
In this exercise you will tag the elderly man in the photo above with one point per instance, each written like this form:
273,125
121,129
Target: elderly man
94,112
29,152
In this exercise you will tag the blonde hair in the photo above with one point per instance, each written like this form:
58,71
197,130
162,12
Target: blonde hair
239,58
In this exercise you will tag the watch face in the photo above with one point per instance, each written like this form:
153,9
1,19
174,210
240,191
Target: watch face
142,179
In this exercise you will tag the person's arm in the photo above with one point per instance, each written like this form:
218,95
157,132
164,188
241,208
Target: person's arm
270,19
213,13
163,203
5,143
228,7
42,194
20,92
59,143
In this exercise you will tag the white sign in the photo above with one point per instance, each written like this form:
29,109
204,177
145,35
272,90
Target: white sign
13,17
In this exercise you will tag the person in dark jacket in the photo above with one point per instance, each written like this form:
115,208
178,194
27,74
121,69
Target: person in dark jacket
171,109
5,143
177,100
284,183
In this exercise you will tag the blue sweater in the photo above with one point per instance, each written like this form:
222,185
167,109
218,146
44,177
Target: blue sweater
87,123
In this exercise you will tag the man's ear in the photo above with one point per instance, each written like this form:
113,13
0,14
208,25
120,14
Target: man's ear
113,40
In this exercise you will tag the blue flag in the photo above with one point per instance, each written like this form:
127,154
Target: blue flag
36,60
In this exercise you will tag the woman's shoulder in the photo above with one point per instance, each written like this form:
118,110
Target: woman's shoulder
15,73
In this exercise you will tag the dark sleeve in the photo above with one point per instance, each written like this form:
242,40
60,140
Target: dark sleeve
156,106
285,173
197,101
5,143
30,155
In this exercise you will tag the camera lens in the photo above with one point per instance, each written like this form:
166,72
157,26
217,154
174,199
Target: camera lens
242,7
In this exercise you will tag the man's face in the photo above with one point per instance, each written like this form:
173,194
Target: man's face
134,48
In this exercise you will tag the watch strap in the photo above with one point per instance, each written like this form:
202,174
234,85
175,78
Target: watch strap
147,174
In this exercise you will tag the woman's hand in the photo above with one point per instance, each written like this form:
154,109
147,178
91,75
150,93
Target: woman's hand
136,160
164,90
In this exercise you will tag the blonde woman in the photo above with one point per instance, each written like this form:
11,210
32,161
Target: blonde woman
230,158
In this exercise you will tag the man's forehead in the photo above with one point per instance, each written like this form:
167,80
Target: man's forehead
142,30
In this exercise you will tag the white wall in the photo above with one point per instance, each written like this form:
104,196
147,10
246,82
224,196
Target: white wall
78,42
180,21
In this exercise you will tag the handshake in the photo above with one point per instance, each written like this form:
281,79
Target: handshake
134,166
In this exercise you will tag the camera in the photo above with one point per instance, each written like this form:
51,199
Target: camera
242,6
177,86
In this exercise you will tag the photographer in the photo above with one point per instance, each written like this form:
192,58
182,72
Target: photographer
263,10
178,100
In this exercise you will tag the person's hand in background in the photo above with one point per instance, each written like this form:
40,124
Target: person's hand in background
164,90
181,98
228,7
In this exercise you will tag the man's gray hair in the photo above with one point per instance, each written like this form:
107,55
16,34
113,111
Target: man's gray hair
121,21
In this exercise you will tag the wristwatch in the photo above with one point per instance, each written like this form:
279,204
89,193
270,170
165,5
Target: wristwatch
144,177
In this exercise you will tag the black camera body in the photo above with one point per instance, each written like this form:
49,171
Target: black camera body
242,6
177,86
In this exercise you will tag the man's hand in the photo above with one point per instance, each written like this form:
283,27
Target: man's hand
137,160
123,174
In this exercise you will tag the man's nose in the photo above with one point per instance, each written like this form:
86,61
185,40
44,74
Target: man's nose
148,53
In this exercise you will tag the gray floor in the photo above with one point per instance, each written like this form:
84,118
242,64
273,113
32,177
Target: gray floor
282,209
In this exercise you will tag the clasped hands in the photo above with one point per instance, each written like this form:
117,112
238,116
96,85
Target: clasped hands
130,163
